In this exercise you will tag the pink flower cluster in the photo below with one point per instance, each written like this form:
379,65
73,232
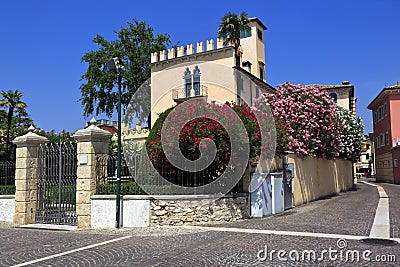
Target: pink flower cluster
306,120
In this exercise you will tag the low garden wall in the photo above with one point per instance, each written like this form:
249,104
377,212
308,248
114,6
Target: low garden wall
142,211
179,210
7,206
317,178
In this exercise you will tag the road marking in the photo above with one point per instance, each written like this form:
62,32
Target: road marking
381,226
276,232
71,251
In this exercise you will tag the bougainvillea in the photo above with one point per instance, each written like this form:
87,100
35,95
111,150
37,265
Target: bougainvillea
351,137
306,121
192,132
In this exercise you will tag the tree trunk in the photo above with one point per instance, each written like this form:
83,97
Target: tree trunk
237,60
9,118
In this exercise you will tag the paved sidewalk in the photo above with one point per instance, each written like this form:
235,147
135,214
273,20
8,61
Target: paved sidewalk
349,213
393,192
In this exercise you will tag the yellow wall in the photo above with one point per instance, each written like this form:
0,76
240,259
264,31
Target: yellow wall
253,49
316,178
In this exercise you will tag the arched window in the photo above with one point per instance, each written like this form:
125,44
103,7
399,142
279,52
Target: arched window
187,77
192,82
196,80
334,97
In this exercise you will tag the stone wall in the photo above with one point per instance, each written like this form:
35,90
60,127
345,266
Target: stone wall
192,210
142,211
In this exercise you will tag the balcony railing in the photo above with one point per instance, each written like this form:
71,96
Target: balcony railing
180,94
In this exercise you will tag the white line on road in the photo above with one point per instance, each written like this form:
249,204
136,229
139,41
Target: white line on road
381,226
275,232
71,251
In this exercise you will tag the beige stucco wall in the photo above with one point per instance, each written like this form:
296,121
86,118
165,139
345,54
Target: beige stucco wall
317,178
217,75
343,97
253,49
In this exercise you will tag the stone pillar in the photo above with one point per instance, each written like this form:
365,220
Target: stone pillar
26,176
92,141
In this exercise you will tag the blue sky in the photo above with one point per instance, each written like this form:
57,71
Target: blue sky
307,41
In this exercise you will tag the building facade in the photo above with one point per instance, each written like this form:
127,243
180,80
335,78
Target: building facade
210,72
342,94
365,164
386,124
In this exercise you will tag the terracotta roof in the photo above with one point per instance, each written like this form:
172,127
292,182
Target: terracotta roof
329,86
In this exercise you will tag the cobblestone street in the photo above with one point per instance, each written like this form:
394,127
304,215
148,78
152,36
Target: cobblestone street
345,217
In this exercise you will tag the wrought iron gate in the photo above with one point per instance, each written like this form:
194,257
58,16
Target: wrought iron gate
56,184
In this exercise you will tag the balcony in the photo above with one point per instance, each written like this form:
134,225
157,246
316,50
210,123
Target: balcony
179,94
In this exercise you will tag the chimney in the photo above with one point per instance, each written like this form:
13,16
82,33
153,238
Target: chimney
345,83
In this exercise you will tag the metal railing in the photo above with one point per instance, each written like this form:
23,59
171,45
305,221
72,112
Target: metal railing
7,173
106,176
182,94
56,184
137,171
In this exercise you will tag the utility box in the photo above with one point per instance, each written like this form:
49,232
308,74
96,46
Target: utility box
266,195
277,192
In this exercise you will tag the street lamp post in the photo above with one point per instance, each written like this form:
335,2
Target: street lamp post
115,64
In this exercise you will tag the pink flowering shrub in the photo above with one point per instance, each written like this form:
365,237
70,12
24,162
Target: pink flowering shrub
198,129
306,121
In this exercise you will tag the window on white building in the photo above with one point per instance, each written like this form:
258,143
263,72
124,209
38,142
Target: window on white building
187,76
196,80
245,33
259,34
334,97
192,81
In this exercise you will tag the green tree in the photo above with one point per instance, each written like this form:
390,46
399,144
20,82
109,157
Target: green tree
10,100
56,138
230,27
133,47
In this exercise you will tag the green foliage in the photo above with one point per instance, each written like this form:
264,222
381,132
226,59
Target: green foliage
230,26
198,129
7,189
129,188
134,46
67,193
57,138
14,121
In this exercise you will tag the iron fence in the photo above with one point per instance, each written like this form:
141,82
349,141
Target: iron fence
7,173
56,184
106,176
136,171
